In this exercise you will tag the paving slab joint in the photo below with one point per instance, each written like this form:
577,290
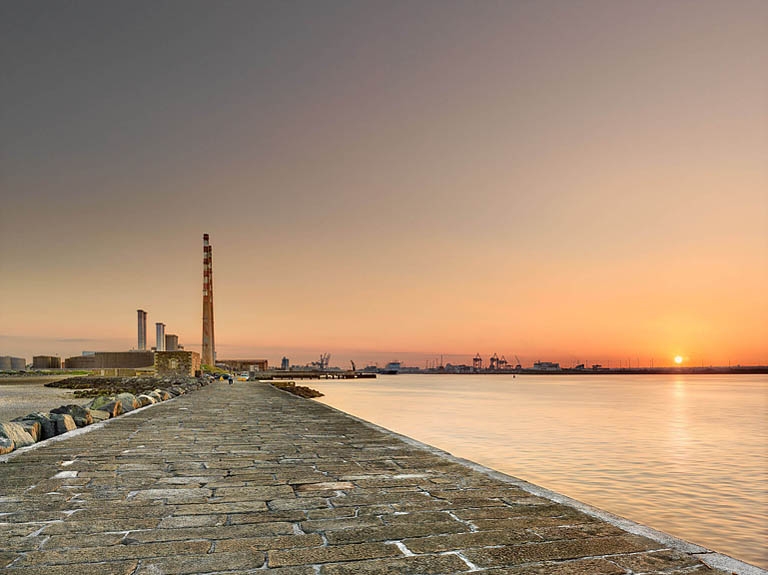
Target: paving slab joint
402,547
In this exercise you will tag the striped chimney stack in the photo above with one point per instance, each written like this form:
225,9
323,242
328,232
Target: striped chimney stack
209,349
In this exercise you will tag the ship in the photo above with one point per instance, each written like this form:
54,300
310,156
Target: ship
392,368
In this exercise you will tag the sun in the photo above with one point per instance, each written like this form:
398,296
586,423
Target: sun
678,359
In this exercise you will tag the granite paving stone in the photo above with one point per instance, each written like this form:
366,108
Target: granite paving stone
202,484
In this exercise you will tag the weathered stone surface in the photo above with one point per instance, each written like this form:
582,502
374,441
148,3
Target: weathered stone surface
331,554
145,400
100,568
208,563
576,567
47,427
99,415
80,414
6,445
106,403
16,434
63,422
510,555
426,565
656,561
34,428
74,555
128,401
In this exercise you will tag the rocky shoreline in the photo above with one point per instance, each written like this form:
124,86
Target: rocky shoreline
112,396
300,390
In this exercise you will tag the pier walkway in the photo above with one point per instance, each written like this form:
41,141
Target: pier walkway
249,479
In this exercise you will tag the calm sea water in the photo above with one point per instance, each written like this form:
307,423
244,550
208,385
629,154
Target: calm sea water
685,454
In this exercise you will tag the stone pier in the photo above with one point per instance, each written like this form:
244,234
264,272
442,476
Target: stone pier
249,479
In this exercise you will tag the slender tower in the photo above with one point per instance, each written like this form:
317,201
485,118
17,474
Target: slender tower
160,336
142,329
209,348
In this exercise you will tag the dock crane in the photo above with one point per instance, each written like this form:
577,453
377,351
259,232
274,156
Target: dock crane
324,362
518,367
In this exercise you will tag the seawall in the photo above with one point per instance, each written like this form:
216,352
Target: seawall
247,478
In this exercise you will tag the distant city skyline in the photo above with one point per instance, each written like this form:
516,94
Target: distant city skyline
388,180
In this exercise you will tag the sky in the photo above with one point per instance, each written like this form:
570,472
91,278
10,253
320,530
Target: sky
572,181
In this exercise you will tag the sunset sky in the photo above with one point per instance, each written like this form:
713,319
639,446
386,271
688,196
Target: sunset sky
388,180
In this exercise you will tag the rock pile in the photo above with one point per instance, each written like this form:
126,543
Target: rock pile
300,390
113,397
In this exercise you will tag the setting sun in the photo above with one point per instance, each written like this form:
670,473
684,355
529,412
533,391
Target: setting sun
678,359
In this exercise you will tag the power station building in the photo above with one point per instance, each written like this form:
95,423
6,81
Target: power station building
46,362
8,363
111,360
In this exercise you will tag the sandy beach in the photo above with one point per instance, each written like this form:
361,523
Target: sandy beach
22,395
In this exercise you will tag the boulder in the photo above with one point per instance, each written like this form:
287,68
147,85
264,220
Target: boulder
64,422
156,396
106,403
99,415
164,395
47,427
16,434
144,399
34,428
128,401
99,401
6,445
80,414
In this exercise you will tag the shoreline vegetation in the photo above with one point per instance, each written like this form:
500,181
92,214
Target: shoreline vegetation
112,397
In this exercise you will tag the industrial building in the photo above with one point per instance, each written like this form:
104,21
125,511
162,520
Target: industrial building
111,360
46,362
81,362
142,329
8,363
177,363
244,364
108,359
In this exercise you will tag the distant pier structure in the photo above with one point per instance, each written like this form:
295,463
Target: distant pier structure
209,347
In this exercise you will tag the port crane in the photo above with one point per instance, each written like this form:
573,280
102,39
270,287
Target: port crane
324,362
519,366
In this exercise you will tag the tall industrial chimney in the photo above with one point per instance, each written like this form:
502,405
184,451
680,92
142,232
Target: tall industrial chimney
209,347
160,333
142,330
